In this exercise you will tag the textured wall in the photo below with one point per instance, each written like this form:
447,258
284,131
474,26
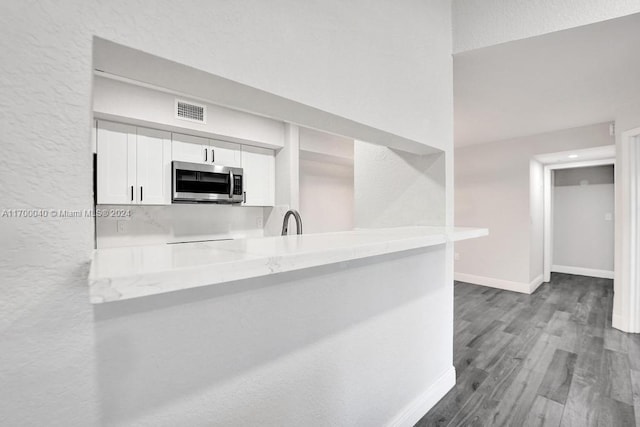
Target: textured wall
481,23
393,188
387,65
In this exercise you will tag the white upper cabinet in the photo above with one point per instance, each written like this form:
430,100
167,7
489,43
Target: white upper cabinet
134,165
225,153
115,146
153,167
187,148
195,149
259,169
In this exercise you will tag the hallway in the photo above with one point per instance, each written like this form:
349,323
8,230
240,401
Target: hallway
545,359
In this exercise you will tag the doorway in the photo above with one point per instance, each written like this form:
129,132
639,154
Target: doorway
582,221
585,179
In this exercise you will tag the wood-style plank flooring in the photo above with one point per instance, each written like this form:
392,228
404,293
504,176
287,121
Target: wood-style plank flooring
547,359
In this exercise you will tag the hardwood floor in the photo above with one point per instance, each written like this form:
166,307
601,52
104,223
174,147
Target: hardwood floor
547,359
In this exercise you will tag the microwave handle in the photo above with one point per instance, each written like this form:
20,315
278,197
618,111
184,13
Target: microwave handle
231,186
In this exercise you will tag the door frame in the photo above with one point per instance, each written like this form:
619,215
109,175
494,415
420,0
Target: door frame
548,206
626,303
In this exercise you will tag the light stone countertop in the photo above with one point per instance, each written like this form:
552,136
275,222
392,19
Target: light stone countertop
131,272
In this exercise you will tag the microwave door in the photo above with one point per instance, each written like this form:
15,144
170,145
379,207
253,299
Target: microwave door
205,183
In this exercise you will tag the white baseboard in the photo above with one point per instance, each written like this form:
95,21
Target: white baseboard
427,400
507,285
535,283
604,274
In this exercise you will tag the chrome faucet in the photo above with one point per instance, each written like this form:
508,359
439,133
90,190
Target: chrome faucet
285,223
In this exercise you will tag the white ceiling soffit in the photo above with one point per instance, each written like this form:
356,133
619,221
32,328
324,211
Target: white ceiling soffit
588,154
134,66
555,81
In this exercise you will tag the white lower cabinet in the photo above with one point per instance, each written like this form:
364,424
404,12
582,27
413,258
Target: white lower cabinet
259,169
134,165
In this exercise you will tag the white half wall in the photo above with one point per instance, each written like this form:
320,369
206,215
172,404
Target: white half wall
481,23
497,187
583,219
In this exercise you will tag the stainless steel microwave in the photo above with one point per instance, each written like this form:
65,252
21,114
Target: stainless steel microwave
200,183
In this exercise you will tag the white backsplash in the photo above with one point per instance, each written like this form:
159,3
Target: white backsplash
148,225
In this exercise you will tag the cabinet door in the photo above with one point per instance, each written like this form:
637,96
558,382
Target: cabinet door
153,167
259,170
116,151
187,148
225,153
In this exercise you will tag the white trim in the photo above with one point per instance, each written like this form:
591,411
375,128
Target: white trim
535,283
580,271
548,206
547,251
417,409
507,285
627,302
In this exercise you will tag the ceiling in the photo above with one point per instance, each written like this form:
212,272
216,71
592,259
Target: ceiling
556,81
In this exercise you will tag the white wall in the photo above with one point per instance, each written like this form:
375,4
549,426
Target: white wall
326,196
536,211
495,188
481,23
395,188
326,182
582,236
148,225
66,364
134,104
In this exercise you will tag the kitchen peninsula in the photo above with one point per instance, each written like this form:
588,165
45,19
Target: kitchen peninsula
130,272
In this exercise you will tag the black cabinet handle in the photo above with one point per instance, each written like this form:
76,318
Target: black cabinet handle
132,193
141,193
213,156
244,197
205,154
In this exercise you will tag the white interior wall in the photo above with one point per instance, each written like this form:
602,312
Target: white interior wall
326,182
119,101
67,365
494,190
148,225
481,23
395,188
536,212
583,227
326,196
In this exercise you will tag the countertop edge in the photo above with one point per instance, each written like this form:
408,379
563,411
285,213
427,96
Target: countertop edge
136,285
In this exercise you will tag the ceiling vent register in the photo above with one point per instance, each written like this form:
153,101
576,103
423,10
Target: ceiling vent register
190,111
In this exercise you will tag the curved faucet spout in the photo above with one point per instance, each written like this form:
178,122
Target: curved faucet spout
285,223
